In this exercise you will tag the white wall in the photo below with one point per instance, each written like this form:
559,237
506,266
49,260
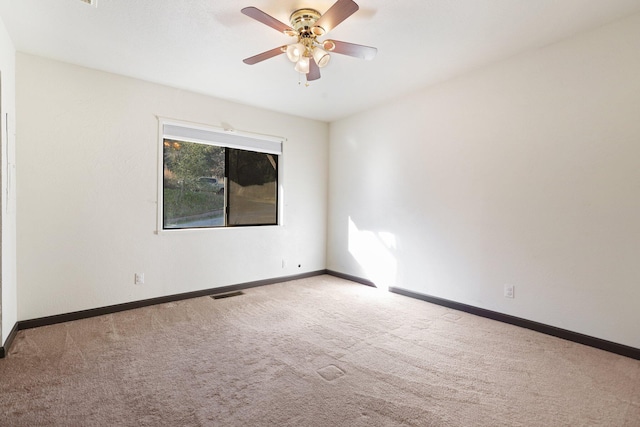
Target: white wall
526,172
87,191
8,292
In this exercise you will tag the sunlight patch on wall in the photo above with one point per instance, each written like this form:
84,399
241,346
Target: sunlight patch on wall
374,253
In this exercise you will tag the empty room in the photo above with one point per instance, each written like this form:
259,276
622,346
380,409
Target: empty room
320,213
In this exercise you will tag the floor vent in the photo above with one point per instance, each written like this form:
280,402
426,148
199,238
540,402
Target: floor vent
227,295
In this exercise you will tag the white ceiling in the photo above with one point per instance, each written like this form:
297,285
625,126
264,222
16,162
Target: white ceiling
199,45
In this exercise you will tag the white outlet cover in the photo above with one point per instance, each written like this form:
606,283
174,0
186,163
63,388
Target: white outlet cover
509,291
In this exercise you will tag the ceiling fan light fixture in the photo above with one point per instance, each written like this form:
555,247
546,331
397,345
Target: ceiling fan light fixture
302,66
328,45
321,57
295,51
318,31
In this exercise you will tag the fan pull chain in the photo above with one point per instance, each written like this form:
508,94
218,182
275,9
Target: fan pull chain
306,83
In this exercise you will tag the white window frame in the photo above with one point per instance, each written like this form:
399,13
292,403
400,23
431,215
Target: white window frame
220,137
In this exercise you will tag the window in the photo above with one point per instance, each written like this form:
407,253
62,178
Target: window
213,178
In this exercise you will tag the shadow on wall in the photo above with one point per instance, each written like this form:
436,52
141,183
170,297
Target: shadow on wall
374,251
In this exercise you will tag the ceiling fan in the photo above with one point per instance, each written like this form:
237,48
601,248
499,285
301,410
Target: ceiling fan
307,25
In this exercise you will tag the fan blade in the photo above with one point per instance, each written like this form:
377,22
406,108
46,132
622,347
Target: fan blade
314,71
258,15
355,50
341,10
264,55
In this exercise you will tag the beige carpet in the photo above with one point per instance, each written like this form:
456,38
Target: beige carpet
314,352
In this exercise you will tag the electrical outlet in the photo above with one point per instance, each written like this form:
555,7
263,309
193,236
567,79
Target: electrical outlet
509,291
139,279
284,263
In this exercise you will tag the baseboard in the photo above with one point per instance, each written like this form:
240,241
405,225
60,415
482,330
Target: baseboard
351,278
4,350
601,344
83,314
610,346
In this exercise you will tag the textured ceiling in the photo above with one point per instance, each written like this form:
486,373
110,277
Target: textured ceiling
199,45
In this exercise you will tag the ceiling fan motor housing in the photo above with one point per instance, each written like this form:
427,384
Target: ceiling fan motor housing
304,20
